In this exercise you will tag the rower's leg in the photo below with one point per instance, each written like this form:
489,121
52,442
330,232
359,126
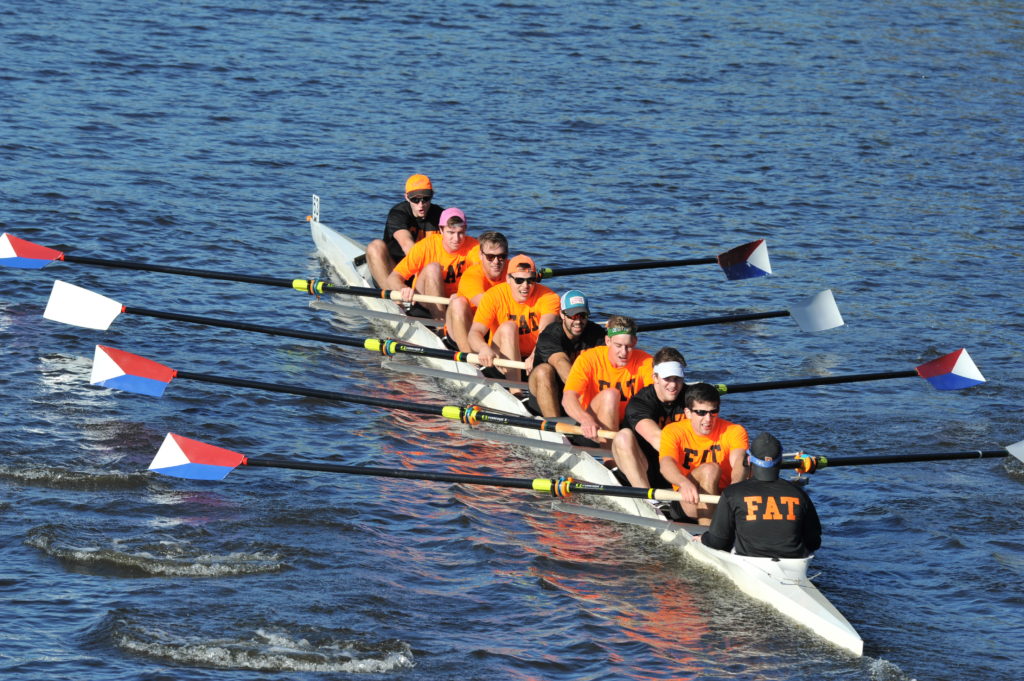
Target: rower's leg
458,319
506,342
630,459
705,476
430,282
546,388
379,260
605,407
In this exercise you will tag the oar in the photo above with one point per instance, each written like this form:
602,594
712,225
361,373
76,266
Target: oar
809,464
70,304
743,262
182,457
815,313
954,371
122,370
15,252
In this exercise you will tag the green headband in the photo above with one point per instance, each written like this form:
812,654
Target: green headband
619,332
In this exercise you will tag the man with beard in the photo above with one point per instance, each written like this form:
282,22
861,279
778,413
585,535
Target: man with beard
436,263
558,346
603,379
408,222
478,278
703,453
765,516
513,313
636,446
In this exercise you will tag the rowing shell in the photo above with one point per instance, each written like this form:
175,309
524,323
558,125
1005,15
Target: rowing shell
783,584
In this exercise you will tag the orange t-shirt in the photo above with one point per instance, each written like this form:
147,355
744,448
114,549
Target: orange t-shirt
498,306
592,372
691,449
431,249
474,282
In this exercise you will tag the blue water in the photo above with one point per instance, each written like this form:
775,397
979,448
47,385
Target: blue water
875,145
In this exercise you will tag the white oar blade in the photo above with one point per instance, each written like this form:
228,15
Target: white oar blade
1017,450
817,313
70,304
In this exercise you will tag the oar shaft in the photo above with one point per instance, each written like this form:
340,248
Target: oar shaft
826,462
802,382
553,486
390,347
187,271
547,272
704,321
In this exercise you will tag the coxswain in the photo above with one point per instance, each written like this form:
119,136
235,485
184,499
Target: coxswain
513,313
436,263
635,447
603,379
408,222
765,516
478,278
703,453
558,346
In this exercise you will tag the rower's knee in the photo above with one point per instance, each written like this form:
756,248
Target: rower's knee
431,270
376,248
506,331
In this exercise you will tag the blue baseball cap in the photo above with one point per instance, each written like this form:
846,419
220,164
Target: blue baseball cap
574,302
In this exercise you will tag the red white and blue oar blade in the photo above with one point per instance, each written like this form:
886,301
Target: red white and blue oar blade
70,304
746,261
1017,450
15,252
954,371
817,313
184,458
122,370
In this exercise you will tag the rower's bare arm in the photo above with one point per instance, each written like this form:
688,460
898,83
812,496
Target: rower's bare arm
649,430
395,281
478,343
574,409
560,361
546,319
737,459
404,239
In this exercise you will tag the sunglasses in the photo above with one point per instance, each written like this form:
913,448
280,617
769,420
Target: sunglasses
420,199
523,280
704,412
578,315
491,257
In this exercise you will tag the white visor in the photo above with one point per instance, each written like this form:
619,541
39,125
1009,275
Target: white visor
669,369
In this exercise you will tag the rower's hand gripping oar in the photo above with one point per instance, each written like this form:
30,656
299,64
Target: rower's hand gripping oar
743,262
814,313
954,371
182,457
15,252
122,370
70,304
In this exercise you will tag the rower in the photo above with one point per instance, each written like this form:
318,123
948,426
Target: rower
558,346
478,278
436,263
765,516
703,453
603,379
636,446
408,222
513,313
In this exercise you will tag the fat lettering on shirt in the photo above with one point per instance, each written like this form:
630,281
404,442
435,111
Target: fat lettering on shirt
771,508
527,323
693,457
626,389
454,272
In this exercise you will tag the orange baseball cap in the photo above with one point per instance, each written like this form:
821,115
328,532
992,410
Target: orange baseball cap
521,262
418,185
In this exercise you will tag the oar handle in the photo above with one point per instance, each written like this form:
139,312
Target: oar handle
419,298
474,358
573,429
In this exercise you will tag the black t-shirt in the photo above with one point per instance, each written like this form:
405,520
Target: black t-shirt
400,217
553,340
785,523
646,405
